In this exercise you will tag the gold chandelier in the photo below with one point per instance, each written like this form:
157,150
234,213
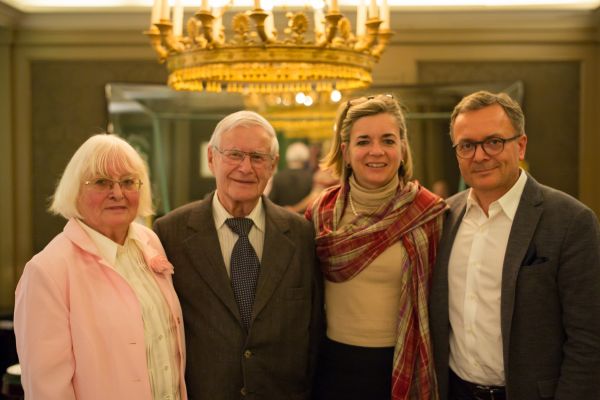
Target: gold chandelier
254,57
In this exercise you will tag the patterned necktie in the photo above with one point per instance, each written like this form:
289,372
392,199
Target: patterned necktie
244,268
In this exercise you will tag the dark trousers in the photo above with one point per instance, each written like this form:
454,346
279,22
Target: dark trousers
462,390
353,373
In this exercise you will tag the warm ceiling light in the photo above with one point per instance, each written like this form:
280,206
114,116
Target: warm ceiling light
317,52
51,4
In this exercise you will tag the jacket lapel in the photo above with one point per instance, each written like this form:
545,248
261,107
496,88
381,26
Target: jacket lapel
450,228
81,239
203,248
277,252
162,279
524,225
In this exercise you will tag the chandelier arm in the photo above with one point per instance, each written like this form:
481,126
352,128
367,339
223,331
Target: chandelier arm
156,42
259,15
367,41
332,18
206,18
383,38
166,31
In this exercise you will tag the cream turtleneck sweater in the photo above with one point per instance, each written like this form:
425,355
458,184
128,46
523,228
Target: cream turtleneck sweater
363,311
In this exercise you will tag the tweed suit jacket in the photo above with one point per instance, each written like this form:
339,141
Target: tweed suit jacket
275,359
550,298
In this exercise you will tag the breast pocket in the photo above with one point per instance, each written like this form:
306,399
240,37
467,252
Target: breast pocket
538,262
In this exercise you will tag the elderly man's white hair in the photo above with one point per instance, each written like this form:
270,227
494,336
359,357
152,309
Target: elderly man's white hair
244,118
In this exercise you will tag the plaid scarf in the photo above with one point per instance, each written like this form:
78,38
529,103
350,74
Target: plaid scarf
414,216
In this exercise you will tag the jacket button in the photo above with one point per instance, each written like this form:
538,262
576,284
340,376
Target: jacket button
243,391
248,354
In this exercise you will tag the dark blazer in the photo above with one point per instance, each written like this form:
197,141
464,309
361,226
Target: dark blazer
276,358
550,299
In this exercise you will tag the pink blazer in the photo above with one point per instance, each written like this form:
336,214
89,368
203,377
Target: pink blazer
78,324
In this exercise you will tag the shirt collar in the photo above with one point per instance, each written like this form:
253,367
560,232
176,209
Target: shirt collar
220,214
107,248
508,203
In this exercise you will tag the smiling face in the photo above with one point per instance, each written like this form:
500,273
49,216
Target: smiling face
490,177
240,184
108,212
374,150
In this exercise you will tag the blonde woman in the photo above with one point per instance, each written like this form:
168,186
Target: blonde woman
376,237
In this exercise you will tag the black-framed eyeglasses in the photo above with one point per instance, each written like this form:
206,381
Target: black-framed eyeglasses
491,146
106,184
237,156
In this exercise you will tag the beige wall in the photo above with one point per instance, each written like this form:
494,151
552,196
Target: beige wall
8,266
51,95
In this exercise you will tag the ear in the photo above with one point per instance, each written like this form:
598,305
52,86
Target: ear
275,162
344,150
403,149
522,143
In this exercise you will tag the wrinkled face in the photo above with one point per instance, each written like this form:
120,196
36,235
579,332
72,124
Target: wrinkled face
108,211
490,176
374,151
241,183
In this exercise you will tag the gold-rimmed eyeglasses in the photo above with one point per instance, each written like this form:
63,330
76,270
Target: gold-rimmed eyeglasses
237,156
491,146
106,184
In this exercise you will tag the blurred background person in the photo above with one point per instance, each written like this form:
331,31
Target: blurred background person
96,316
376,235
292,184
322,179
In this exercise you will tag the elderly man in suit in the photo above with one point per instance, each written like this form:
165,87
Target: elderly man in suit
252,301
515,300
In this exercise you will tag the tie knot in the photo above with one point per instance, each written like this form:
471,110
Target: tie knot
241,226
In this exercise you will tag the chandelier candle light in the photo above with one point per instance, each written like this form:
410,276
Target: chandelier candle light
255,58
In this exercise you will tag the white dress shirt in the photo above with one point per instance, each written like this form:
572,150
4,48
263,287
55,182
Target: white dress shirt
227,237
474,286
160,333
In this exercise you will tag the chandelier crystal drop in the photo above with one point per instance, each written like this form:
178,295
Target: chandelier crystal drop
318,54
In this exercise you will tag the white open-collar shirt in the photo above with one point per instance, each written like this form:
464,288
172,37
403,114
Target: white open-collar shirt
475,284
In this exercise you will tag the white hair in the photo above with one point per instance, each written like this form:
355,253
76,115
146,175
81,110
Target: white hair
244,118
98,156
297,152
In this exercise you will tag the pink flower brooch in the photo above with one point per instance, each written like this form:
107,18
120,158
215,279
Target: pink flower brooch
160,265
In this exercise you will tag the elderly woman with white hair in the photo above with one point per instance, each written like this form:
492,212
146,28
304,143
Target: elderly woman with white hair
96,316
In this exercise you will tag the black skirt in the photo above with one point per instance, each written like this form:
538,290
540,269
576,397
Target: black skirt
348,372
